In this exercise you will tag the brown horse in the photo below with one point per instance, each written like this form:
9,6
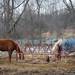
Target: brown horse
10,46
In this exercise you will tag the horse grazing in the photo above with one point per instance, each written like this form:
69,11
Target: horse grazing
10,46
56,50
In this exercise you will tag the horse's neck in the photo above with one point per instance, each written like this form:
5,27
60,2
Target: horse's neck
17,49
55,48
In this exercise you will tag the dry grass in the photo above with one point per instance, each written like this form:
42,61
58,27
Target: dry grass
39,61
37,64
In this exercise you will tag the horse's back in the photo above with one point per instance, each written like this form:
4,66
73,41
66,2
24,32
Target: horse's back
7,44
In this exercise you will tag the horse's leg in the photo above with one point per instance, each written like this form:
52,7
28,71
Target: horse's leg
22,56
10,53
25,48
58,57
16,56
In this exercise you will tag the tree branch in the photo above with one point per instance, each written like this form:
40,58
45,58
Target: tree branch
19,4
13,27
71,4
68,7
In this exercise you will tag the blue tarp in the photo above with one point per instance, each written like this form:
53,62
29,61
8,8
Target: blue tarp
69,44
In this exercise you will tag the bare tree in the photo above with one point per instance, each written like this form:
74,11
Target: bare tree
39,3
6,14
9,22
70,12
70,7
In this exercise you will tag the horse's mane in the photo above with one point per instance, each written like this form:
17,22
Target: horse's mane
56,46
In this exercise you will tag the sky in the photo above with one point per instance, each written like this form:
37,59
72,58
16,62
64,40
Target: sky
44,8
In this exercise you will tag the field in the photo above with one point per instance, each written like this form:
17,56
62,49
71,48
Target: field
37,65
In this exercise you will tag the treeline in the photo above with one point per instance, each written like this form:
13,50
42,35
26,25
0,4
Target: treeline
30,18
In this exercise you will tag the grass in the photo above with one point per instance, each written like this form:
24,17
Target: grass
28,64
36,65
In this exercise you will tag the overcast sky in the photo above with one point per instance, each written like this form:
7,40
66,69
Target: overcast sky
45,7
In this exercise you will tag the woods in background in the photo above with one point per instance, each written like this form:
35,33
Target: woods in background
31,18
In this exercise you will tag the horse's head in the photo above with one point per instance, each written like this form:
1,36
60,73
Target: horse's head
20,53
